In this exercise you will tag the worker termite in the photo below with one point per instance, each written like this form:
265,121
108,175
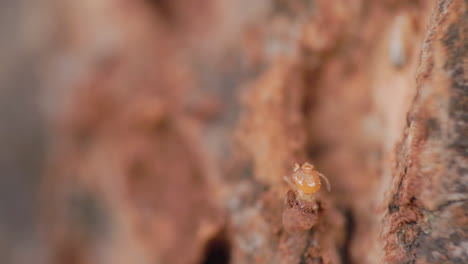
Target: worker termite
302,207
306,180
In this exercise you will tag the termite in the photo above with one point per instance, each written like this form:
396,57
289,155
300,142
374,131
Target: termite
306,180
303,209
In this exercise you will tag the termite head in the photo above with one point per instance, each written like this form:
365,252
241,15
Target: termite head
306,179
306,167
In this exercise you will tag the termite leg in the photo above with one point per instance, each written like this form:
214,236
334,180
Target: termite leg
296,167
290,183
326,181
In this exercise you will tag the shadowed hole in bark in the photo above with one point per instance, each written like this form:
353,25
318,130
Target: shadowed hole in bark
217,250
350,225
88,214
164,9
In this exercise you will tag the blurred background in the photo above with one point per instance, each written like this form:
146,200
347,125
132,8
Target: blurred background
22,130
112,116
159,131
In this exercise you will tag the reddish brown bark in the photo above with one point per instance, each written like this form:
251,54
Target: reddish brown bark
373,93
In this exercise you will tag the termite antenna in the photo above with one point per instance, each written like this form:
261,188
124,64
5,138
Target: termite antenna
326,181
290,183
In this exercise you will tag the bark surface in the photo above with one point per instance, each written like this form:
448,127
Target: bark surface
174,132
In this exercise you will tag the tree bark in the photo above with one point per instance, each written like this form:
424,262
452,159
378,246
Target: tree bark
372,93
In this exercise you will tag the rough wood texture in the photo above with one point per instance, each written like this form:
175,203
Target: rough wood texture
427,216
394,148
373,93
